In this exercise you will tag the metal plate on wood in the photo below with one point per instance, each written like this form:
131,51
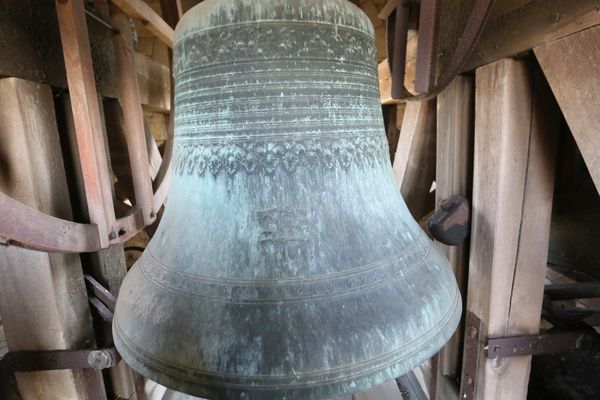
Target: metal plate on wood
517,346
471,359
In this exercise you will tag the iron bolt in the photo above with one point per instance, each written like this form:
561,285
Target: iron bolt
99,359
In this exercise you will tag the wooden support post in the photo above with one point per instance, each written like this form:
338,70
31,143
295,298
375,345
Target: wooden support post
43,301
106,266
455,108
571,67
86,112
386,391
154,82
516,127
133,116
414,164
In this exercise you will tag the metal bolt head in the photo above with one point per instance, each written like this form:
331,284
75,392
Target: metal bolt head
99,359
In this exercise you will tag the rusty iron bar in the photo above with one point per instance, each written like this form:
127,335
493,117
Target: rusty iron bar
103,311
530,345
427,46
29,228
398,33
99,291
426,82
573,291
53,360
471,357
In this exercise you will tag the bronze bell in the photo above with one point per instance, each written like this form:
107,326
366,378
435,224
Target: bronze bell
287,265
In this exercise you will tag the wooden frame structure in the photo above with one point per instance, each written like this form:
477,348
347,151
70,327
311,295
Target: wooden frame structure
46,233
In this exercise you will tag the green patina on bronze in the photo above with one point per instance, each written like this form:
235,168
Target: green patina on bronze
287,265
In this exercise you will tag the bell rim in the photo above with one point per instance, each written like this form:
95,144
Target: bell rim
367,377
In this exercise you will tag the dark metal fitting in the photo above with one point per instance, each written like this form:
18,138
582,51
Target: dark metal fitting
100,359
451,223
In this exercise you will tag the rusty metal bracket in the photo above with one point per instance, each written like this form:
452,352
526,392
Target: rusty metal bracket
530,345
428,83
49,360
101,299
471,357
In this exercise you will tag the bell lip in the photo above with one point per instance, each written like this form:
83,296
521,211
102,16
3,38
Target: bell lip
358,382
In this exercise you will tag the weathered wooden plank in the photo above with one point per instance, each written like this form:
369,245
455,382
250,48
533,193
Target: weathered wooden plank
515,144
414,164
133,116
386,391
154,81
572,67
141,10
534,23
454,168
86,115
42,296
31,50
30,45
505,6
106,266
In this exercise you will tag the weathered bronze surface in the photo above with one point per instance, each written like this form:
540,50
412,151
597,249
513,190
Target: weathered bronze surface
287,265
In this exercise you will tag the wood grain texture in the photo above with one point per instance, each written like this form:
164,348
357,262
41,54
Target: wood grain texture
154,82
534,23
454,169
43,302
572,67
86,115
414,164
516,127
140,10
133,116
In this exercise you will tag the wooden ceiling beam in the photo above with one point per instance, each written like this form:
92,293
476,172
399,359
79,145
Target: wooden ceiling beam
531,25
155,23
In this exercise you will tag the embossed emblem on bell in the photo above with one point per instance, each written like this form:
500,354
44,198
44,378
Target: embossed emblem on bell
286,265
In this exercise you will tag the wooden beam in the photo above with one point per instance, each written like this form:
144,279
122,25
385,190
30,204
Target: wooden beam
571,67
106,266
516,127
531,25
43,300
86,114
386,391
133,116
154,82
141,10
454,169
414,164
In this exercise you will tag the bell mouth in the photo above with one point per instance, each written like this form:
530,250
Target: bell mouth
314,385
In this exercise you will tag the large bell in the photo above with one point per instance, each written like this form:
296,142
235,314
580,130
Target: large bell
287,265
